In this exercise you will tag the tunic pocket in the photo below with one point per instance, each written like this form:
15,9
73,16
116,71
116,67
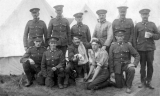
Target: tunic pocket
64,27
48,61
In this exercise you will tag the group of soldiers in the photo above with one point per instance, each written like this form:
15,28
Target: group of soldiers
106,56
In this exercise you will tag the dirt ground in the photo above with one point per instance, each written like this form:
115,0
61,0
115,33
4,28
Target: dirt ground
10,86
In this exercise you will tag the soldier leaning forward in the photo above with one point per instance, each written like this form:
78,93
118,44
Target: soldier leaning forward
32,61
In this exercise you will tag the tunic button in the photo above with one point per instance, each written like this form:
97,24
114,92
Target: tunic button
121,58
121,54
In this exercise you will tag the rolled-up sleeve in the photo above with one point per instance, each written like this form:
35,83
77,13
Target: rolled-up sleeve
102,58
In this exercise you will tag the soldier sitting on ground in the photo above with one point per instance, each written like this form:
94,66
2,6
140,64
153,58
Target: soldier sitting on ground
32,61
78,59
98,58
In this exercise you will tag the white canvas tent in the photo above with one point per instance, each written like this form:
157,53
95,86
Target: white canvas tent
11,34
89,18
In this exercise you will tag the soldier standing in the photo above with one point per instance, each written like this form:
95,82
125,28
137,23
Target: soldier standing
53,64
145,34
81,29
119,61
59,26
124,23
103,30
32,61
34,28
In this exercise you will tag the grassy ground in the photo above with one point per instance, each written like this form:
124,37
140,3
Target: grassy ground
11,86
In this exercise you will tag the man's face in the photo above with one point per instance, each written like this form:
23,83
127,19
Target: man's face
59,12
79,19
35,15
145,17
76,40
119,38
122,14
102,16
95,46
53,44
37,43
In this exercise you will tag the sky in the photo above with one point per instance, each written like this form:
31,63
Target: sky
73,6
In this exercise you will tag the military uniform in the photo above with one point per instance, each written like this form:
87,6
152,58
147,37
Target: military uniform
34,53
51,59
119,58
34,28
146,46
126,24
103,31
59,26
81,29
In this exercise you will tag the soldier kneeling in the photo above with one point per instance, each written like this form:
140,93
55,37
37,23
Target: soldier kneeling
119,61
32,62
53,64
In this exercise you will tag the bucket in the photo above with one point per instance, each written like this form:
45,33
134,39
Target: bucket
80,83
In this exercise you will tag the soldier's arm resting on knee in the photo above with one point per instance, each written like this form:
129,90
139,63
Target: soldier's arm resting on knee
135,54
25,57
61,61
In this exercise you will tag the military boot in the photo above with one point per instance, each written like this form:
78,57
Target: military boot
66,80
149,85
29,83
60,83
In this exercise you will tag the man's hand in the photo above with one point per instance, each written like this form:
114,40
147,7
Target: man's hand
86,78
31,61
129,43
47,47
131,65
25,48
75,57
54,68
150,34
104,47
91,80
112,75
